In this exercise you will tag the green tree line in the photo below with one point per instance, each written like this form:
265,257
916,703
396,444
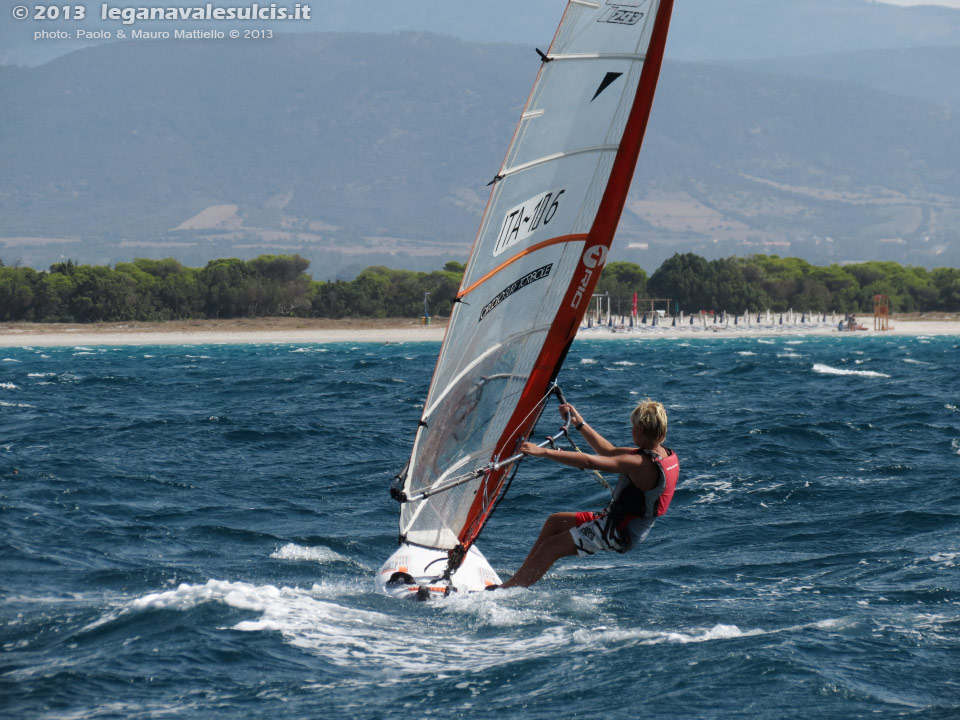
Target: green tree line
768,281
276,285
761,282
267,286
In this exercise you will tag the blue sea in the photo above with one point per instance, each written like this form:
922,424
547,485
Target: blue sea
193,532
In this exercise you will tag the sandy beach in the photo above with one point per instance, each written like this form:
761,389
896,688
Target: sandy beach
313,330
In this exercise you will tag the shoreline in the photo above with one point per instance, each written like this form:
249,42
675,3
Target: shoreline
393,330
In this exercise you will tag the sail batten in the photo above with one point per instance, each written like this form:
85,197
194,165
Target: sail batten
507,172
598,56
541,246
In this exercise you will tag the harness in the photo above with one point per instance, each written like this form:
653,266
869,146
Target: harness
630,502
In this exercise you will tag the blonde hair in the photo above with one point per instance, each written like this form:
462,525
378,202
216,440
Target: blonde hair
650,418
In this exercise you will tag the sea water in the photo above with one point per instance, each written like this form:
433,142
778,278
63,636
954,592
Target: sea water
193,532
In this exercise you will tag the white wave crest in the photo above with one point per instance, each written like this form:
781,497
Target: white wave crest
8,386
746,353
654,637
318,620
588,361
625,363
946,559
319,554
240,595
827,370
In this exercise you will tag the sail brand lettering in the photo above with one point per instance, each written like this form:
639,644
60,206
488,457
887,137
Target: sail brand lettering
526,218
529,278
593,259
619,16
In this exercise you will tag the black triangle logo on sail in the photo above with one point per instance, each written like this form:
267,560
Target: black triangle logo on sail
607,81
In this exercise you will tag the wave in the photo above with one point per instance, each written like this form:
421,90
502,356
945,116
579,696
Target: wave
318,554
317,620
653,637
720,631
949,560
828,370
240,595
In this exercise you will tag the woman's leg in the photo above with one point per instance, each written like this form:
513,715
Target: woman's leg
554,525
554,543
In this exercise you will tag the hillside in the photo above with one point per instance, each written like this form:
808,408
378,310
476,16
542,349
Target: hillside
925,73
355,149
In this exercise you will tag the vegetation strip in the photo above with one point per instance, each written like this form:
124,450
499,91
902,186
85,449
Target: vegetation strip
277,285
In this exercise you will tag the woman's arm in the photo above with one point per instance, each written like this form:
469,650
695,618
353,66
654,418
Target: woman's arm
621,463
598,442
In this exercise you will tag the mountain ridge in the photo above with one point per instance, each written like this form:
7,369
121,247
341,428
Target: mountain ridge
358,149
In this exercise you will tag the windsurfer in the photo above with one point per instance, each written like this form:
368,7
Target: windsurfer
648,476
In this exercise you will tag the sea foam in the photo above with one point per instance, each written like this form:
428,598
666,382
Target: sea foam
828,370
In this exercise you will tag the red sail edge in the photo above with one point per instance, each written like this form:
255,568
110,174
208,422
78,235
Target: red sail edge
570,315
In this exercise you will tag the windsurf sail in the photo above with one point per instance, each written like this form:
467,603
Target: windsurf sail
542,243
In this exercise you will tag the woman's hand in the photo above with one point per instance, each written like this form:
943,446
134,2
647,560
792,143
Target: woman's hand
568,409
532,450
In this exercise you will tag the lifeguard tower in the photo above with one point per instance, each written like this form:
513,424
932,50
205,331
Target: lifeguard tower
881,312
